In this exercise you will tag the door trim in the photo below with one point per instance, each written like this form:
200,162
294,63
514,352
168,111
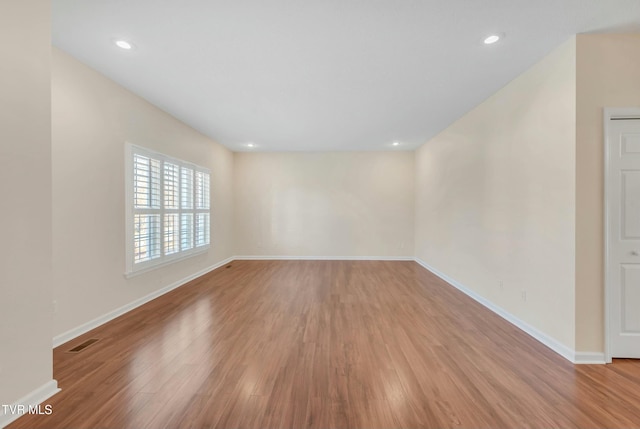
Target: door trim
610,113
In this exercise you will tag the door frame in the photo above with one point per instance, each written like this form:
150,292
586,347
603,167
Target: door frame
609,114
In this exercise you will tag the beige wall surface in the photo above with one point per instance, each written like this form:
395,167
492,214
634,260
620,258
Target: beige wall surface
25,186
324,204
495,197
608,75
93,117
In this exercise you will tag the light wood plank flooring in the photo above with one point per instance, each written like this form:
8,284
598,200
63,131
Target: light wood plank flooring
327,344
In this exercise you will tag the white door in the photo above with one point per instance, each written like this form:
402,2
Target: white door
623,237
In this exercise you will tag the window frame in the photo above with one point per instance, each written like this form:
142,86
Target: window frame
133,268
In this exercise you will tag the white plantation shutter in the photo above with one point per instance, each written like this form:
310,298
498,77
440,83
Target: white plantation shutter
146,240
168,208
171,234
186,231
202,209
146,176
186,180
202,229
171,186
186,203
202,190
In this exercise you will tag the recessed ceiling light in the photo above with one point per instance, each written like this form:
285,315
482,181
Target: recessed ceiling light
492,39
123,44
395,144
251,145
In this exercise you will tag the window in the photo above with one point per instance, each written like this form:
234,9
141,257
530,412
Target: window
168,209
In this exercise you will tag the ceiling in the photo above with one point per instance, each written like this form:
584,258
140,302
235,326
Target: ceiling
294,75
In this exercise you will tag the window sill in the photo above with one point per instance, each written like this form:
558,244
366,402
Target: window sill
152,267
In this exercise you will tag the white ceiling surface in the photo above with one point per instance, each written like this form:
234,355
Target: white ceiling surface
322,75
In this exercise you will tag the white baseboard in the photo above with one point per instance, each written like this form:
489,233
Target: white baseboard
545,339
321,258
86,327
33,399
589,358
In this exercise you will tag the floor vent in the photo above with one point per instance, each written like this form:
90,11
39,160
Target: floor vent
82,346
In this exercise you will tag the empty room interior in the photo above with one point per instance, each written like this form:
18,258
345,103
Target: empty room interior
323,214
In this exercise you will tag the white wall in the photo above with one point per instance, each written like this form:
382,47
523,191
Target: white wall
354,204
495,197
93,117
25,187
608,75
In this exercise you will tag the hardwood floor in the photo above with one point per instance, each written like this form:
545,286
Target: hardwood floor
327,344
